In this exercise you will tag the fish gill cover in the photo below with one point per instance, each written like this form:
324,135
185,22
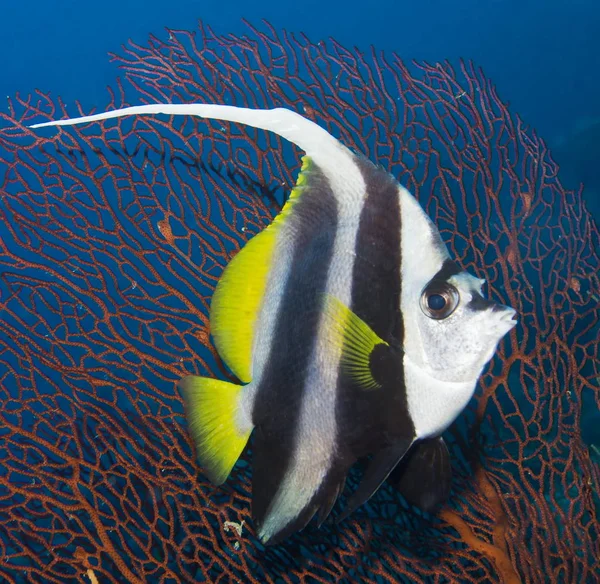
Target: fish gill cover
112,239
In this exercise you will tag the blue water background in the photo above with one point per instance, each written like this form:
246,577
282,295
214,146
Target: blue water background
543,55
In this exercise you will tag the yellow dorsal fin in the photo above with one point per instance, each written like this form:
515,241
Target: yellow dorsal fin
239,293
236,301
356,340
211,408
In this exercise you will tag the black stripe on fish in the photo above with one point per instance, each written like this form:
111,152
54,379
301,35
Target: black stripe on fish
277,407
376,274
478,302
376,289
449,268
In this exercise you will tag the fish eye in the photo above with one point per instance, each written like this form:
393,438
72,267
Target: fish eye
439,300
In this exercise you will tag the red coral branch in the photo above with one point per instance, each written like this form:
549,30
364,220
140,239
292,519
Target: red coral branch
113,239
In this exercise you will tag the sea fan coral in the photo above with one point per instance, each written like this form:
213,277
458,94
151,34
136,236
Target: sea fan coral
113,238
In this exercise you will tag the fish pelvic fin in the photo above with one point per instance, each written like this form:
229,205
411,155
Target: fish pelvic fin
424,476
211,408
357,340
380,466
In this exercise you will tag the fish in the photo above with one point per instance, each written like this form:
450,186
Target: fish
353,333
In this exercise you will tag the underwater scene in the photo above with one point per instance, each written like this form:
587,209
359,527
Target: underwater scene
300,294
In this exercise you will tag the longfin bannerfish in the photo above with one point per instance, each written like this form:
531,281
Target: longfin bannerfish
353,332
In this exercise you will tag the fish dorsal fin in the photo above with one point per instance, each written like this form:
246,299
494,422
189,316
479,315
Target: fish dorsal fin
236,301
325,150
356,339
238,296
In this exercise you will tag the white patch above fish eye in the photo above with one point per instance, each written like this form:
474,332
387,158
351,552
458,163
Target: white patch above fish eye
439,300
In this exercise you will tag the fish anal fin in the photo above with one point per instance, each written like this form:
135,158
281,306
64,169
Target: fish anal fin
379,467
297,524
320,505
286,497
211,408
356,340
424,477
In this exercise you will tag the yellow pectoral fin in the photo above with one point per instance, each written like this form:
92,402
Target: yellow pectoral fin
211,408
356,340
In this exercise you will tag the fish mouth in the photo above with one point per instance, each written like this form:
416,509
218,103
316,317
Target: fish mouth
507,315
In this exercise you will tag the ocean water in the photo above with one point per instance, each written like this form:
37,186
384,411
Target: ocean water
106,275
541,55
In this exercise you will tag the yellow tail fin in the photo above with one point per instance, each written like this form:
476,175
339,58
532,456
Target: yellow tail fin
211,408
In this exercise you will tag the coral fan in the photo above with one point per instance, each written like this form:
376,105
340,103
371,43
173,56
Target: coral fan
113,237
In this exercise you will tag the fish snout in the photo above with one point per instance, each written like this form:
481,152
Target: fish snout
506,315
